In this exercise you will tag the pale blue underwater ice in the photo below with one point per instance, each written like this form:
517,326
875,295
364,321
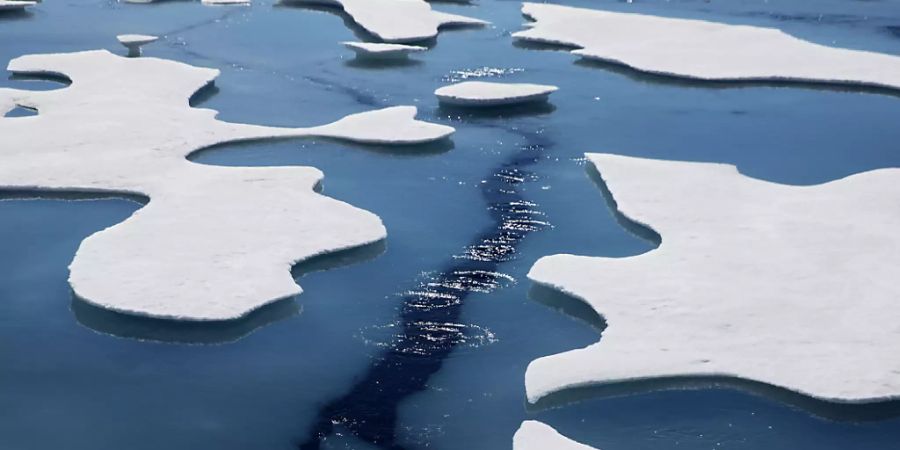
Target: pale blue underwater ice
64,385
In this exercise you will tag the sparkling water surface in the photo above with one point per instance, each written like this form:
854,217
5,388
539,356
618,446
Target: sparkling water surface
421,342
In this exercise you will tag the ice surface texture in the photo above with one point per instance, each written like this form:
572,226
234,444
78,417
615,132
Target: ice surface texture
214,242
397,21
791,286
534,435
704,50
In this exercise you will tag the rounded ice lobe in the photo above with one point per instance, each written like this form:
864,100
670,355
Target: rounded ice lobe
534,435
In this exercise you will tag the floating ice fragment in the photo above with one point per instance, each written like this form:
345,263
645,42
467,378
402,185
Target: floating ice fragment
704,50
214,243
483,93
534,435
379,51
791,286
134,42
15,5
396,21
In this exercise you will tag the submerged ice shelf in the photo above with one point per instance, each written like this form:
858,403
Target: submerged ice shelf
534,435
396,21
213,243
430,326
704,50
791,286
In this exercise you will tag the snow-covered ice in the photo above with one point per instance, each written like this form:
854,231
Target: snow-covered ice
791,286
484,93
14,5
381,51
397,21
534,435
134,42
704,50
214,242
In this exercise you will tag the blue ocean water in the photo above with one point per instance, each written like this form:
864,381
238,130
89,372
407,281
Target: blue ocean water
73,378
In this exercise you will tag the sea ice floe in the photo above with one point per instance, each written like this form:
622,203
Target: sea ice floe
483,93
704,50
534,435
15,5
791,286
213,243
396,21
134,42
381,51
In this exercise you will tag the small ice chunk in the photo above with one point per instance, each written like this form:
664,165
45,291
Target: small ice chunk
15,5
484,93
380,51
134,42
534,435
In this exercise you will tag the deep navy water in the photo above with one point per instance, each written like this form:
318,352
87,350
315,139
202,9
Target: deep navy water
421,342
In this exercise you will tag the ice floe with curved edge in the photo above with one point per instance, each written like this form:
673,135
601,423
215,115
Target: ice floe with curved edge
396,21
791,286
134,42
213,243
704,50
15,5
534,435
380,51
484,93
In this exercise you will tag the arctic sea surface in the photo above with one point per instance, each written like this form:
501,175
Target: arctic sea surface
421,342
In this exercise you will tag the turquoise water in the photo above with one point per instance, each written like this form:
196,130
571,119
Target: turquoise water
72,378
